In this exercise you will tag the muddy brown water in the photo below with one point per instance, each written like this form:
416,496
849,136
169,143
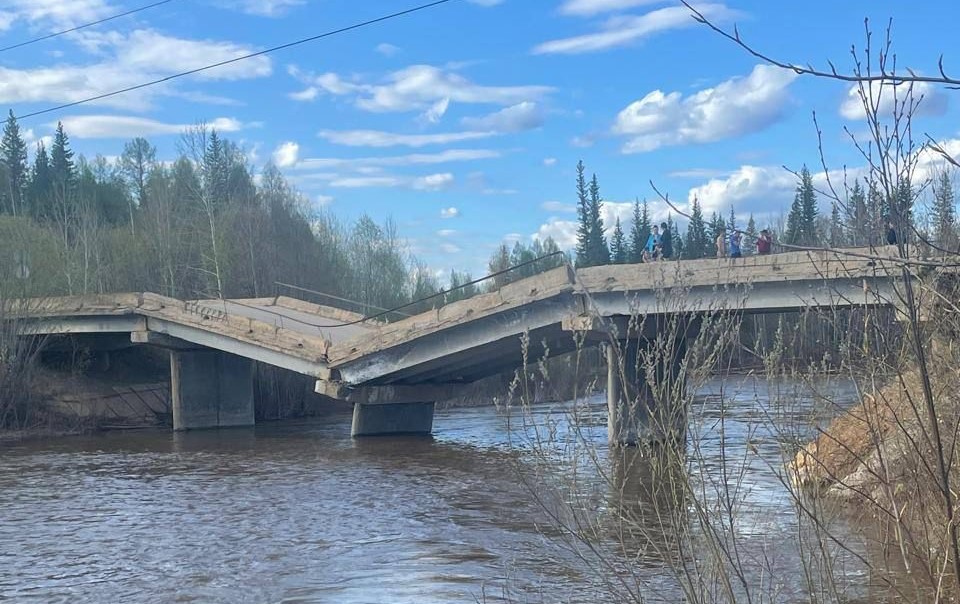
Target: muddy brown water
300,512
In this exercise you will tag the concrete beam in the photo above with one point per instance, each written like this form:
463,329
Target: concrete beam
392,420
386,395
161,340
78,325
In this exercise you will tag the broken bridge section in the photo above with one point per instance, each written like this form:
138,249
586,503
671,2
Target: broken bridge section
394,372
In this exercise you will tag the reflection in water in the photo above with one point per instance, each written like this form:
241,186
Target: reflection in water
299,512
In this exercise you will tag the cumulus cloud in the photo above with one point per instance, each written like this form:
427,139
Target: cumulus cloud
324,200
516,118
933,102
436,111
286,154
450,212
378,138
125,126
416,88
430,182
625,30
564,232
738,106
54,13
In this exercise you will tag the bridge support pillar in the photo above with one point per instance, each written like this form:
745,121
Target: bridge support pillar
392,418
210,389
645,402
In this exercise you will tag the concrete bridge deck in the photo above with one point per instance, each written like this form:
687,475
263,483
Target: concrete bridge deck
421,358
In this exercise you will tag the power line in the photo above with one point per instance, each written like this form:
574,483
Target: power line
91,24
238,59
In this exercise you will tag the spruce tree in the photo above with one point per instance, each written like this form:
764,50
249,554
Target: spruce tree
40,187
639,231
618,245
749,243
802,221
944,212
697,240
13,157
837,236
584,246
600,253
857,219
732,223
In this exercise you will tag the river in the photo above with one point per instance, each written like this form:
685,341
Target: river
297,511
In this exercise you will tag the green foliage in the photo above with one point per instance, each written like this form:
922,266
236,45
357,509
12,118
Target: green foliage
697,243
944,212
13,161
802,220
640,231
618,245
592,247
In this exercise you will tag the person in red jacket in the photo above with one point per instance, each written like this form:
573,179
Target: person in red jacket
764,242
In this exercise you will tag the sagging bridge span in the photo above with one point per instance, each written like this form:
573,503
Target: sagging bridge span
393,373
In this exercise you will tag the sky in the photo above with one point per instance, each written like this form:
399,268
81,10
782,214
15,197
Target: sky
464,123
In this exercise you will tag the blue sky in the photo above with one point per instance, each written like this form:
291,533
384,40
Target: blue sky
464,122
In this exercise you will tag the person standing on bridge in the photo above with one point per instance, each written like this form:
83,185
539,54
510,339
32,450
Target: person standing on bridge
891,233
666,242
721,244
652,250
764,243
735,239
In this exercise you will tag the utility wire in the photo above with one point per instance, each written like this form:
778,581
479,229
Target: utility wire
91,24
251,55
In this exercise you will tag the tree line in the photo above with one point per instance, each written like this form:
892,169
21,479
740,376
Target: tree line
859,220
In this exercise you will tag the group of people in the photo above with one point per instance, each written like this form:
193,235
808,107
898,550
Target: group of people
731,246
660,244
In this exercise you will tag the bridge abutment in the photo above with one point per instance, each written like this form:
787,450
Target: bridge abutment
392,419
210,389
645,402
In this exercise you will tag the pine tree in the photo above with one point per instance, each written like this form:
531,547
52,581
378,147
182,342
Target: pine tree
732,223
802,221
697,241
944,212
215,171
600,253
749,243
13,158
63,172
618,245
639,231
584,231
714,229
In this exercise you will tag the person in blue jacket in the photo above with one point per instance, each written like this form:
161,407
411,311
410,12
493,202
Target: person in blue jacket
652,249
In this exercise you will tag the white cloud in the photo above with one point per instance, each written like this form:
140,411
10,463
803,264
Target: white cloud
447,232
738,106
933,102
387,50
559,206
377,138
54,14
550,161
758,189
286,154
415,159
625,30
564,232
307,94
127,60
582,142
516,118
449,248
324,200
450,212
267,8
433,182
593,7
125,126
436,112
417,88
